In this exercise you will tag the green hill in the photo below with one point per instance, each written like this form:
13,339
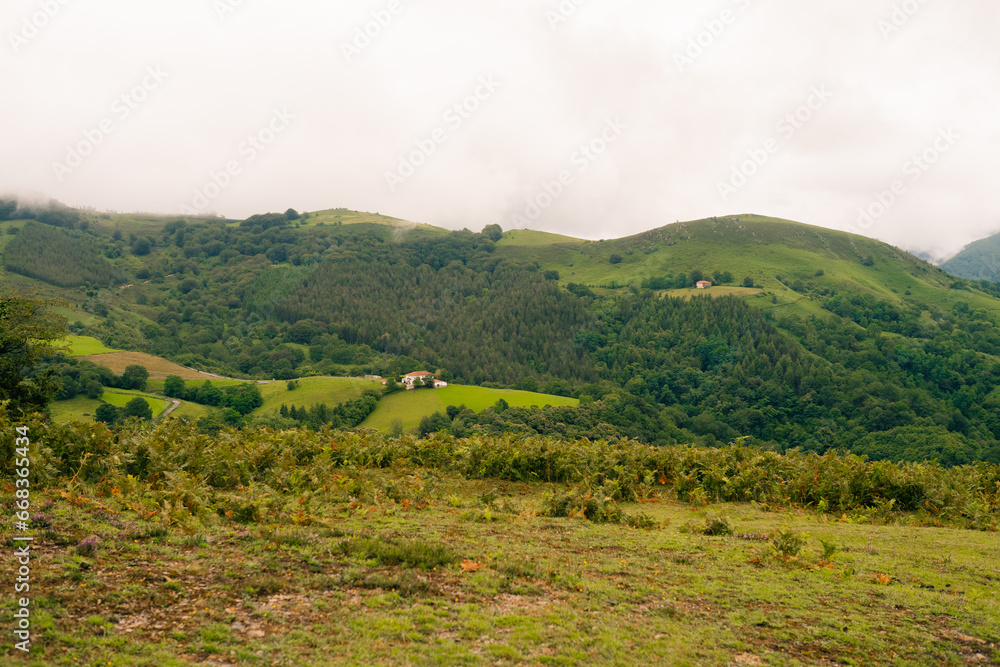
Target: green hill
754,247
813,338
977,261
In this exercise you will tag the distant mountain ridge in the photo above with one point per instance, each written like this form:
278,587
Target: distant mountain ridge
977,261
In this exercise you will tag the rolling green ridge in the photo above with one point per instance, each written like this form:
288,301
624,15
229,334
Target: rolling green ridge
815,339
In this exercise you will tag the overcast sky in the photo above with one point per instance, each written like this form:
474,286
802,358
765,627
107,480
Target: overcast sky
596,118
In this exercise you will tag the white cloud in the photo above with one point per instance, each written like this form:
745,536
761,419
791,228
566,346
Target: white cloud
353,119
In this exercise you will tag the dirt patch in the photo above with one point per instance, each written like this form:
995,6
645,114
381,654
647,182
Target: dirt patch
158,368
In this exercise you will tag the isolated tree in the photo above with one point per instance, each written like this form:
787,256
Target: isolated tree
493,232
135,377
173,386
27,331
138,407
94,389
615,258
108,414
244,398
748,282
141,247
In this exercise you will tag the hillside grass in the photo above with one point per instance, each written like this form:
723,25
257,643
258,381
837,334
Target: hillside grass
121,397
82,346
528,237
751,246
313,390
158,367
79,409
326,549
82,409
411,406
346,217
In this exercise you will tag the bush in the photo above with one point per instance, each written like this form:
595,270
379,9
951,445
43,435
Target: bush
135,377
138,407
410,553
108,414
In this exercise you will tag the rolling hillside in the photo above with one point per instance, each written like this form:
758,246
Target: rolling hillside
977,261
813,338
748,246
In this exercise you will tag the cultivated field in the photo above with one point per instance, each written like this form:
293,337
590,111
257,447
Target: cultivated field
158,367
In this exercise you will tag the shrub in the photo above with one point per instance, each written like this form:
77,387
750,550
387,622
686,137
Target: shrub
410,553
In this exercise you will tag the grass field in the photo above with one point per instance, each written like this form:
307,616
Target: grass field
345,217
752,246
79,409
448,571
412,406
528,237
192,411
82,346
121,398
311,391
158,367
82,409
714,292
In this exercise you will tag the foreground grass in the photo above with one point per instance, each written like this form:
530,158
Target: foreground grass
410,566
159,545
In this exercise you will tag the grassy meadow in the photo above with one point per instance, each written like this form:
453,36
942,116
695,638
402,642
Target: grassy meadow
344,549
83,346
82,408
752,246
411,406
310,391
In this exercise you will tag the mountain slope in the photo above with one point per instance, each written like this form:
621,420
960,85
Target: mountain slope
977,261
759,248
842,342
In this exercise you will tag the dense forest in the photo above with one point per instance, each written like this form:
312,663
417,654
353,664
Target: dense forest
58,257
